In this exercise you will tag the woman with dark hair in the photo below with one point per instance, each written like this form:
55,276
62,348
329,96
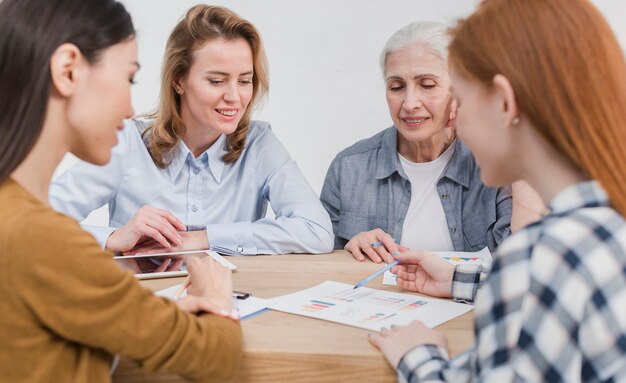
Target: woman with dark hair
541,102
65,72
199,172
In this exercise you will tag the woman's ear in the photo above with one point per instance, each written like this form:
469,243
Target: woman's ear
508,106
177,88
454,109
64,64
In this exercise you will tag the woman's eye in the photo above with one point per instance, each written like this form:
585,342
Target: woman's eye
428,84
215,82
245,82
395,87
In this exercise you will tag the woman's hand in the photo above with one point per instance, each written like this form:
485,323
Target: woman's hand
397,341
425,273
190,240
375,244
141,265
210,288
149,223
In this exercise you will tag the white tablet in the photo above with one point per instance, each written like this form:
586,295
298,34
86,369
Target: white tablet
148,266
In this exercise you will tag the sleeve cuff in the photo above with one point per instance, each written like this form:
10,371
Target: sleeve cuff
465,282
423,362
231,238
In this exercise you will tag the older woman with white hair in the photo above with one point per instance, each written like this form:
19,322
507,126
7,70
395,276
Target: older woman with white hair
414,184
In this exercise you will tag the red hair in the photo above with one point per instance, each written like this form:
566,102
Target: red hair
567,71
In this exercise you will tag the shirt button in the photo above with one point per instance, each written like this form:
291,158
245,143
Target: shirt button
194,208
196,171
453,229
239,249
444,196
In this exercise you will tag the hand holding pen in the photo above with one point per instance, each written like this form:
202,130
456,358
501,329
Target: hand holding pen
381,271
209,288
425,273
374,244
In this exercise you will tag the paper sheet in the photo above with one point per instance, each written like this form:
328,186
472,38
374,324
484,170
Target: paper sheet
367,308
481,257
246,307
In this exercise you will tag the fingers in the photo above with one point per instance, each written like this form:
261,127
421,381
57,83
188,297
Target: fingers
375,339
372,254
176,264
156,235
149,219
178,225
150,247
406,274
412,257
388,249
210,279
163,266
375,244
164,228
196,304
355,251
407,285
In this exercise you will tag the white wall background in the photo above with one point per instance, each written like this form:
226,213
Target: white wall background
326,89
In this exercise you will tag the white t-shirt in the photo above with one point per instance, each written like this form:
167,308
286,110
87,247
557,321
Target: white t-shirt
425,226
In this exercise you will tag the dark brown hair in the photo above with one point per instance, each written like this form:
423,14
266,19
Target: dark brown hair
202,23
567,71
30,32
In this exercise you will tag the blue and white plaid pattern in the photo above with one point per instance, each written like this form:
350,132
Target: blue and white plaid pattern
465,282
553,306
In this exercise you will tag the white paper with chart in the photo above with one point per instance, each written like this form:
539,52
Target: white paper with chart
367,308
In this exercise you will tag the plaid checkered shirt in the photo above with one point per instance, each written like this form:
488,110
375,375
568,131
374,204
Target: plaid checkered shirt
553,307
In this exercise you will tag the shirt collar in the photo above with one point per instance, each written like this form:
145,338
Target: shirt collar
582,194
458,169
212,156
387,155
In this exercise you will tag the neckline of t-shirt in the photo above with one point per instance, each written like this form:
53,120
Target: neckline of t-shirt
444,158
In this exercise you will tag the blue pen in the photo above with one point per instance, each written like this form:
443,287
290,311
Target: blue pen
379,272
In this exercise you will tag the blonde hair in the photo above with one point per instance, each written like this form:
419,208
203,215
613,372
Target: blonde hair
567,71
202,23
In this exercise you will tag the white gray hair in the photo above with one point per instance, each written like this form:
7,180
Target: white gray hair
430,34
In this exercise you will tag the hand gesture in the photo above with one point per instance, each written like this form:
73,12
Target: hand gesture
210,288
397,341
375,244
149,223
190,240
425,273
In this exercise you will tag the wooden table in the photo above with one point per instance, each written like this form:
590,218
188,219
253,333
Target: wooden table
282,347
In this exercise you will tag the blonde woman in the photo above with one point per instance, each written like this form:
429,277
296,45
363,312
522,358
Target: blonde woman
199,172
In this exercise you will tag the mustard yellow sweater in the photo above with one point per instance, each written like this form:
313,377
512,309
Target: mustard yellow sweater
66,308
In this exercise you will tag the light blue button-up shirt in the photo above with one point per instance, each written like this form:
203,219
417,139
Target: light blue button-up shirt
229,201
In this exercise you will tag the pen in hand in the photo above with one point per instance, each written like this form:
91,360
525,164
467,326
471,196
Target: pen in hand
186,283
376,274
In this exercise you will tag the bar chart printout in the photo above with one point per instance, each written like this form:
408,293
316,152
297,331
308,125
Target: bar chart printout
367,308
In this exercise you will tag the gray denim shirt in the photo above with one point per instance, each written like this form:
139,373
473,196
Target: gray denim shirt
366,188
